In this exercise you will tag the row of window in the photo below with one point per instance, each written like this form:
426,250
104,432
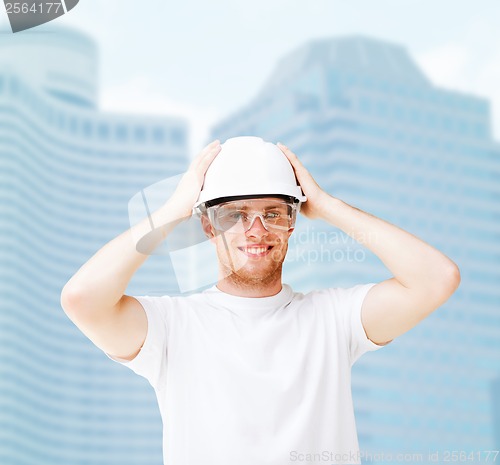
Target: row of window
415,116
81,170
424,130
92,127
341,81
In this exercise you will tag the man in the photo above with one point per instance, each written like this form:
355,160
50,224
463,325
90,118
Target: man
249,372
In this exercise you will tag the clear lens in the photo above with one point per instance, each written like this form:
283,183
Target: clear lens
239,216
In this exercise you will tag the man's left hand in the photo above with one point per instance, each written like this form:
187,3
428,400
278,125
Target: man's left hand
316,197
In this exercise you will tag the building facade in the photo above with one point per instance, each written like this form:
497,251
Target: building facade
375,132
68,174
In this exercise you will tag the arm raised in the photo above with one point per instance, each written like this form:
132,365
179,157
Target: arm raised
94,298
424,278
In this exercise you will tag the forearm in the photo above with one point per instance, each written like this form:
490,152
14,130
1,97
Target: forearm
102,280
414,263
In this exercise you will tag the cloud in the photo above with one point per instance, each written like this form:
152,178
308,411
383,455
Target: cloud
142,95
467,68
445,65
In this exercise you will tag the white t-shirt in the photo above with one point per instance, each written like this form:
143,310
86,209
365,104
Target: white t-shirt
255,381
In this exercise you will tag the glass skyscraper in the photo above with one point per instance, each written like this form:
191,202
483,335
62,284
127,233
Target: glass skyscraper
67,173
375,132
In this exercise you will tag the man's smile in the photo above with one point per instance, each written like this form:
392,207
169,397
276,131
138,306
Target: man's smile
259,250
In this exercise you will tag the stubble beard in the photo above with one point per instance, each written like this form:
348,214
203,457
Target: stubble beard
247,278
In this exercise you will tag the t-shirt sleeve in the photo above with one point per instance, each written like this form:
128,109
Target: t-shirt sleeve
151,361
348,302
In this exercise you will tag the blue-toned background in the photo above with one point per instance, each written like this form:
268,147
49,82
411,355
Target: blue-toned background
392,106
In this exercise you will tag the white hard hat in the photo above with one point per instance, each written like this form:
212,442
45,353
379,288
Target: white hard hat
248,166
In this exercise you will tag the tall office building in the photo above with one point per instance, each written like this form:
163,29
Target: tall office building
375,132
68,171
495,394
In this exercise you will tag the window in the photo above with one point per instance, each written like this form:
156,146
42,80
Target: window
447,123
365,105
463,127
140,134
121,133
73,125
382,108
14,86
177,136
158,135
480,130
398,113
61,120
416,116
306,102
87,128
103,131
432,120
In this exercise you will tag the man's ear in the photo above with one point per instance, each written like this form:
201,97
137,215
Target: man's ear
206,226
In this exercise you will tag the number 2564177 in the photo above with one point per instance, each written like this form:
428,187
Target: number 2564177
37,8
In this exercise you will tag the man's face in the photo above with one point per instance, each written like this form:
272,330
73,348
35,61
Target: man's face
251,238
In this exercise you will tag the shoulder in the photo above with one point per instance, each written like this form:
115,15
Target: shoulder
166,301
165,304
355,292
337,296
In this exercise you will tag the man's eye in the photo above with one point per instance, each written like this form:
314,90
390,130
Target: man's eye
237,215
272,215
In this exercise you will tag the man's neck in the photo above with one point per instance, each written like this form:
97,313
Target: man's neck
232,286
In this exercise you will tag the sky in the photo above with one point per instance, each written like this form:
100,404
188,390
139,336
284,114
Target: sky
202,60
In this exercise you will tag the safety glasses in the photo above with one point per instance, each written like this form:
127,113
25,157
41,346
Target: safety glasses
239,216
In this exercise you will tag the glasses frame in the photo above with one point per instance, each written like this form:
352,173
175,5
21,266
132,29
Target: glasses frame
214,219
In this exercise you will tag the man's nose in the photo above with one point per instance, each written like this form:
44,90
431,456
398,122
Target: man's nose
257,226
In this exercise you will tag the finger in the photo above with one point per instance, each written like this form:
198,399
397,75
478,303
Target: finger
284,149
206,151
208,158
293,159
304,177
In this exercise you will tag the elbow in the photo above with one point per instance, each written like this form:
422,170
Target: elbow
450,281
454,278
83,307
71,300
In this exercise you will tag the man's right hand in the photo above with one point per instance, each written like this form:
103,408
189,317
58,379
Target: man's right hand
188,190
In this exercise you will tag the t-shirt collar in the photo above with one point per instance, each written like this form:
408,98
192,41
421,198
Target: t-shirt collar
251,304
